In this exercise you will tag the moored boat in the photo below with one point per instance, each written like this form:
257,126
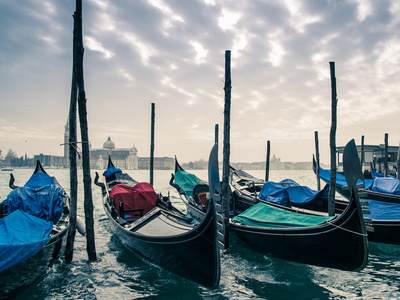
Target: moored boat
336,242
384,189
34,221
382,196
149,225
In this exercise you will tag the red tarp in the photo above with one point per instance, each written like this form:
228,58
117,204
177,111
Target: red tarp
142,195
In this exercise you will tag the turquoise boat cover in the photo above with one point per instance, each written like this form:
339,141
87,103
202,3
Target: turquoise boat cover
387,185
325,175
38,199
288,191
21,236
383,210
264,215
186,181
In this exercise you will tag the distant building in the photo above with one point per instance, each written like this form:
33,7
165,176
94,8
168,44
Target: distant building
374,157
160,163
124,158
49,160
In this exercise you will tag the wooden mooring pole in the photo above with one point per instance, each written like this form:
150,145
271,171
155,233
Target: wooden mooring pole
267,161
226,150
386,165
73,172
332,187
87,182
398,163
152,143
317,160
216,133
362,153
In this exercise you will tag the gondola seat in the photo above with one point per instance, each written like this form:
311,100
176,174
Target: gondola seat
132,203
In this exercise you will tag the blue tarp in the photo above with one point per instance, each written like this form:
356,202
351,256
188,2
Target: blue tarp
383,210
21,236
325,175
375,174
387,185
39,179
44,202
288,191
111,170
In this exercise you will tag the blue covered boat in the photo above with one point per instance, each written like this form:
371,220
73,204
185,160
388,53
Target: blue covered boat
33,222
379,188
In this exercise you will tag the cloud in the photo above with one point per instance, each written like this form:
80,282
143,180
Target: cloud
172,53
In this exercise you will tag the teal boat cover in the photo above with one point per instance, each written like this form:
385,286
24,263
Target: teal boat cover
21,236
186,181
264,215
288,191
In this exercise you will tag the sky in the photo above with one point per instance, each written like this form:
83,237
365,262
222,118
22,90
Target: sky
172,53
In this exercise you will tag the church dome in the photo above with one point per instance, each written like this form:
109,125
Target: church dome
109,144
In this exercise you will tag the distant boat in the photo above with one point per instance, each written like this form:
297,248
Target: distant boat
7,169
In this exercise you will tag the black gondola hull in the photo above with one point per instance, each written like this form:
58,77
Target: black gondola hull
192,255
339,245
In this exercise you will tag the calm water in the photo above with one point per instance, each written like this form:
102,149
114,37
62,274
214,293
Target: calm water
120,274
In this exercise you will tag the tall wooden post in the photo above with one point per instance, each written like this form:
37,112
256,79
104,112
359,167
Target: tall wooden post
267,161
216,134
398,163
386,166
87,182
331,199
317,160
362,152
73,172
226,151
152,143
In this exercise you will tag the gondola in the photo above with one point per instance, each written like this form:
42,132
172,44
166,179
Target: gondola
384,207
149,225
383,218
384,189
337,242
34,221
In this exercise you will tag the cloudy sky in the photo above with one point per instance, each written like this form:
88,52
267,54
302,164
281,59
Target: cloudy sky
172,53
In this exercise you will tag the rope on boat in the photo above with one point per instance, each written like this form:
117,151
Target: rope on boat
348,230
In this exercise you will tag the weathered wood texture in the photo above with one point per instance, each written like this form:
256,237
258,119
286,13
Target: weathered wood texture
332,142
317,160
226,149
153,114
87,182
267,159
